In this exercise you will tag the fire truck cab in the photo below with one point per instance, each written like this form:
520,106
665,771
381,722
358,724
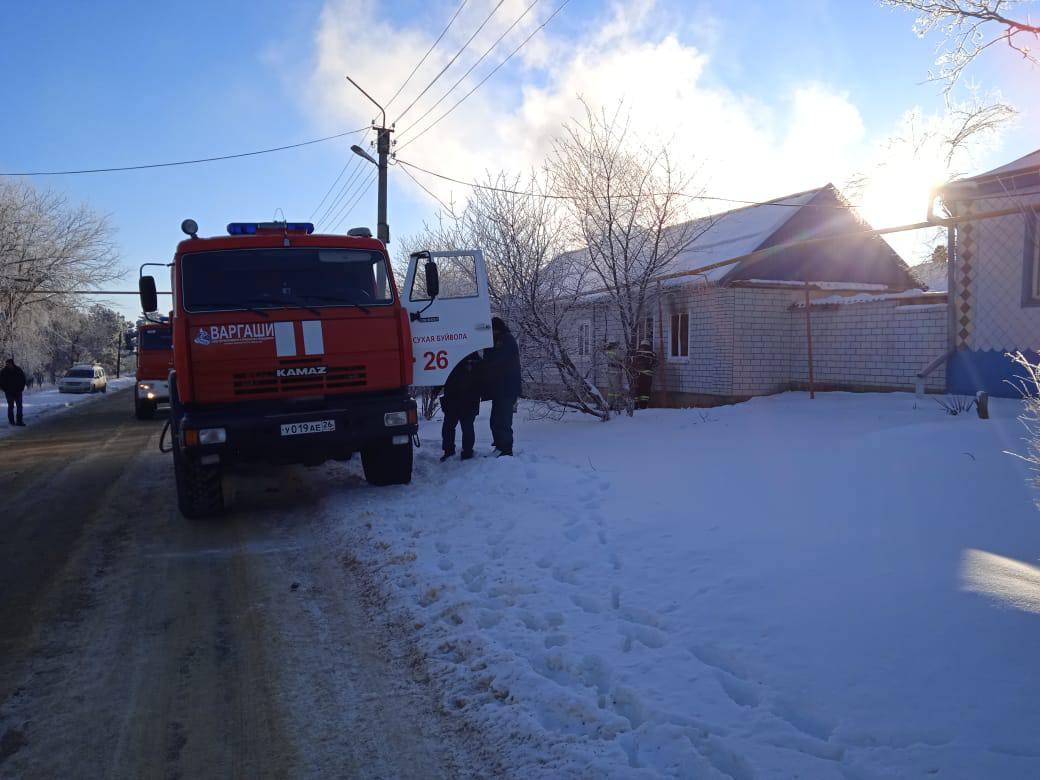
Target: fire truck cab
154,361
293,347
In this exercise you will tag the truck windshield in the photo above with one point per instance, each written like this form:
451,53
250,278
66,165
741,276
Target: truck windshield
156,338
292,277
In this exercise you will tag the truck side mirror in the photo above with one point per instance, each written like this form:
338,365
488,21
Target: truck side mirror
149,297
433,282
128,341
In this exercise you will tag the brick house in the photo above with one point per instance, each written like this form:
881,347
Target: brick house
730,332
994,277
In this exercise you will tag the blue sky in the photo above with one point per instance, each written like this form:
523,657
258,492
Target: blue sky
774,97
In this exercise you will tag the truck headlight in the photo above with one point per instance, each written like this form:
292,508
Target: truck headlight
391,419
212,436
143,386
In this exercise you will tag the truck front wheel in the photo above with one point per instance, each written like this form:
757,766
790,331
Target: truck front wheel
199,490
143,410
387,464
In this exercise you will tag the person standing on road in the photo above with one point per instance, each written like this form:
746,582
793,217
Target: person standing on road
460,403
12,382
502,384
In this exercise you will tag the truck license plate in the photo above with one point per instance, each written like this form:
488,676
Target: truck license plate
318,426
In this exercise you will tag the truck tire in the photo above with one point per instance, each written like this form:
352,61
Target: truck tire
143,410
199,492
387,464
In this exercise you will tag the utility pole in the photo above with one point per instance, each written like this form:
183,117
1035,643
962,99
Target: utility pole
383,153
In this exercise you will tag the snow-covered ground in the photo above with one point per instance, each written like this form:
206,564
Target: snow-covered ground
839,588
48,400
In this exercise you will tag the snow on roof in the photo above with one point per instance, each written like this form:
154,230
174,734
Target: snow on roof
736,233
927,298
1026,162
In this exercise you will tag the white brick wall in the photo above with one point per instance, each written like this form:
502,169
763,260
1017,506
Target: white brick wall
878,344
746,342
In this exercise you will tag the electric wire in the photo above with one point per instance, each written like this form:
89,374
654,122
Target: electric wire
452,60
344,189
354,204
329,190
424,188
187,162
488,76
428,52
349,191
472,67
551,196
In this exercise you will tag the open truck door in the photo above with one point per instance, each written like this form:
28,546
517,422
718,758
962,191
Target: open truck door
449,308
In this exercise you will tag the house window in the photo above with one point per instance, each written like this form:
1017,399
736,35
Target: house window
584,339
681,335
645,331
1031,257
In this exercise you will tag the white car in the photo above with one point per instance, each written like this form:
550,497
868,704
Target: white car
84,379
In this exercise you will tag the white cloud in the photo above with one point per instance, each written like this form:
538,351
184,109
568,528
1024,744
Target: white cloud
745,147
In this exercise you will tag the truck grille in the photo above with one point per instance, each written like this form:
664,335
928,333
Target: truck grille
336,379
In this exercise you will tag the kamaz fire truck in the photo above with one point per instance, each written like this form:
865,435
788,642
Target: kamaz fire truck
293,347
154,362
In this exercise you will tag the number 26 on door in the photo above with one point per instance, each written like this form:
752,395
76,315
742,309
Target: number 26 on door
436,361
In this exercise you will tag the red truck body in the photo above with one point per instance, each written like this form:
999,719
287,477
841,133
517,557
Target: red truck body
288,347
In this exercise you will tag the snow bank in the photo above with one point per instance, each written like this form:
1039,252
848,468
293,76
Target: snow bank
48,401
839,588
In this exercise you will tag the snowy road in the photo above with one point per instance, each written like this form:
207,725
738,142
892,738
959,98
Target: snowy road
845,588
136,644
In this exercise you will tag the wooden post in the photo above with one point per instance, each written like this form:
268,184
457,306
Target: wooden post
659,371
808,340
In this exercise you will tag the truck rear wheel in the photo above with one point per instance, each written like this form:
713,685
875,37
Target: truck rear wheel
199,490
387,464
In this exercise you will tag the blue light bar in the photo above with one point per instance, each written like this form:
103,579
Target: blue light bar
252,228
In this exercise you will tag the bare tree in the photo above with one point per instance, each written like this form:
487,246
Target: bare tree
48,249
970,27
629,209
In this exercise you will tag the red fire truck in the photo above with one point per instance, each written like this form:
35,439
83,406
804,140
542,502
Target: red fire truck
154,362
292,347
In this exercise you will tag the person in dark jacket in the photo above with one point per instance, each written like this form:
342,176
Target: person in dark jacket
12,382
501,371
460,402
643,365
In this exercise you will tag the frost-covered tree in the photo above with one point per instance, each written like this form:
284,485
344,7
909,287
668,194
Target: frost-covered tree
970,27
49,248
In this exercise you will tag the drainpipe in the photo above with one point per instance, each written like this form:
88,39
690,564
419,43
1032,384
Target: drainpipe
808,340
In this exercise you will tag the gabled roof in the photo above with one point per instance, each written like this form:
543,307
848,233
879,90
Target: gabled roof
1021,176
818,213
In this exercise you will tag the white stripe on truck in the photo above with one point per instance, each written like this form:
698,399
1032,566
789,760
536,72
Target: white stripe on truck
284,339
313,340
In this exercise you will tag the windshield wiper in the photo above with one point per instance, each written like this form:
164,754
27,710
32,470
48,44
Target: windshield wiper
287,300
339,301
237,305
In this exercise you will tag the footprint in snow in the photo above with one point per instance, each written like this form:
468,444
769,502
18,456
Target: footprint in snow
443,548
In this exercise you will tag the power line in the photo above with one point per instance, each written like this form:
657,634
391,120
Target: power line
187,162
428,52
343,190
550,196
471,68
489,75
356,162
451,61
354,204
423,187
347,194
331,187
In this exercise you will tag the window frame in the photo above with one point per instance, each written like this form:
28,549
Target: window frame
1031,261
421,269
675,341
584,340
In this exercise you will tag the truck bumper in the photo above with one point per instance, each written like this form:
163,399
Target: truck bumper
152,390
281,432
